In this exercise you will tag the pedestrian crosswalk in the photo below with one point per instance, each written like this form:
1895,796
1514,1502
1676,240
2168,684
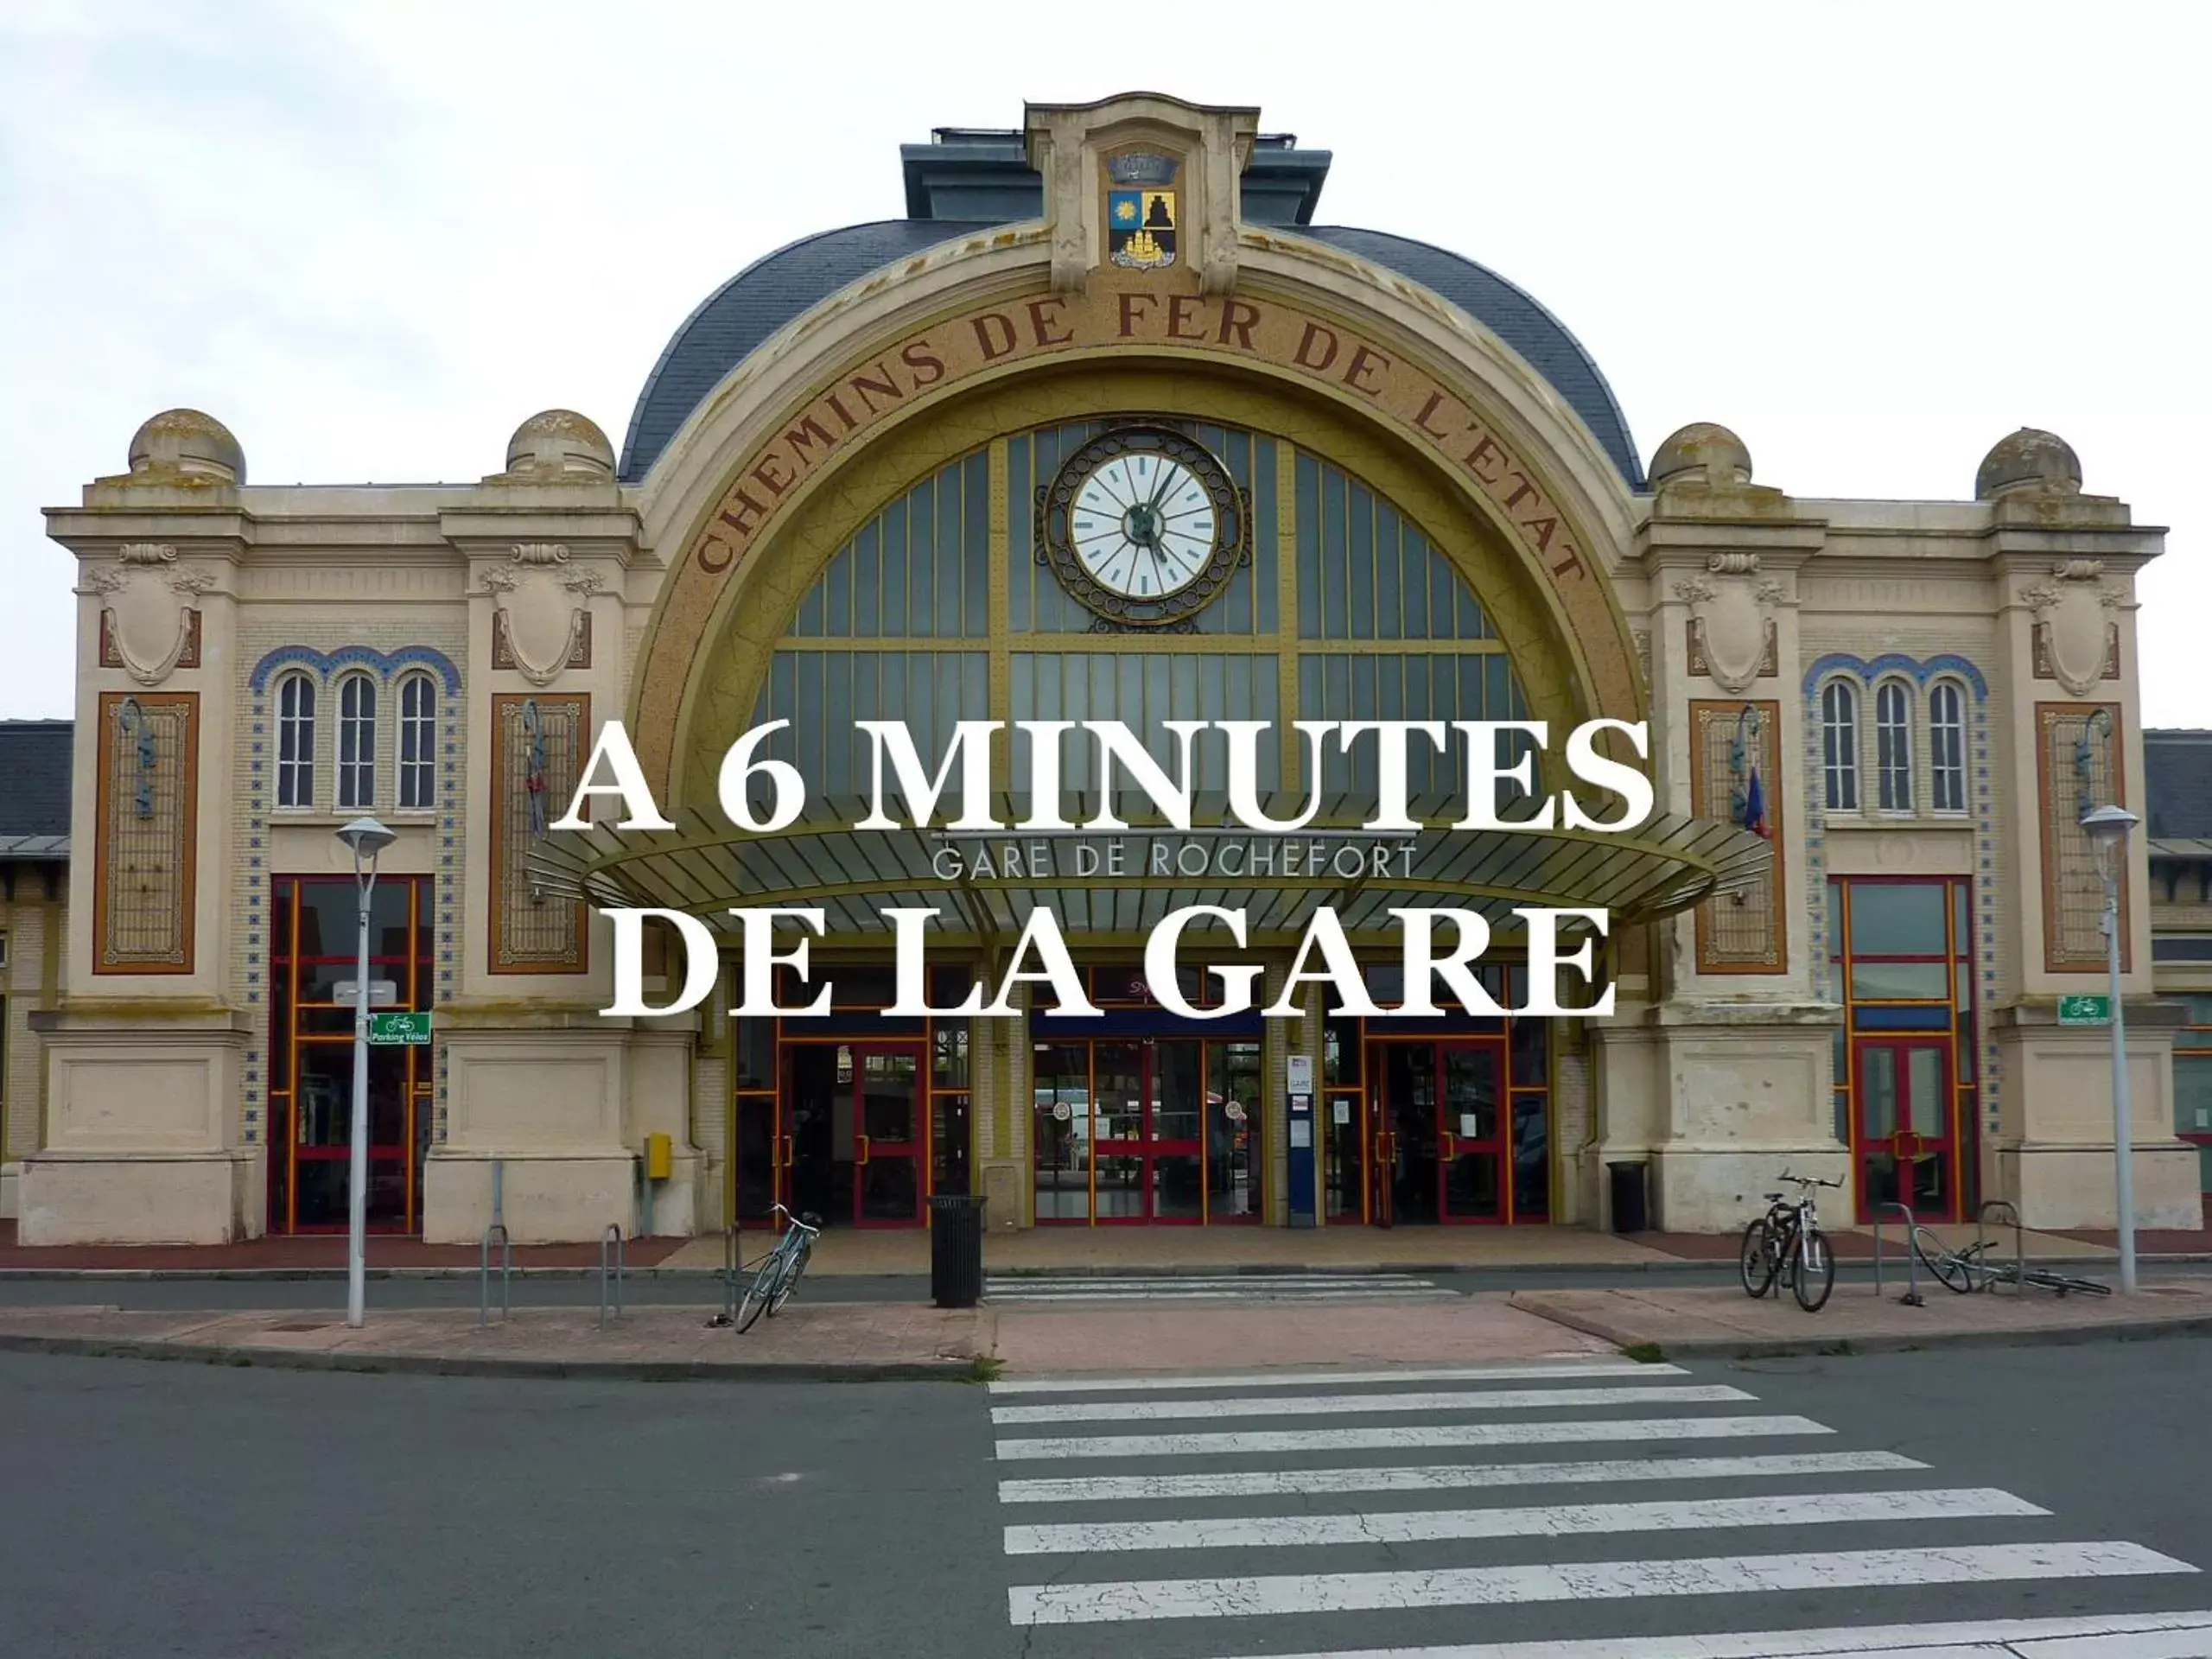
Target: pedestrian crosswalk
1097,1290
1307,1539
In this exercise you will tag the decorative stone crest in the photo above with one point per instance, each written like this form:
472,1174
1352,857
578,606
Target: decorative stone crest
541,620
149,627
1732,637
2076,638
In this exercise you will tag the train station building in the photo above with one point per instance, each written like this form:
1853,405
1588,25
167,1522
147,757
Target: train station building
1109,424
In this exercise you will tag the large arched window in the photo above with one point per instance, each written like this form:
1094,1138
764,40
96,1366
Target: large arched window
1947,747
1839,746
357,741
1893,746
295,741
418,727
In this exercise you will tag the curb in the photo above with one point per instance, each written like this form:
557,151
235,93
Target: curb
1683,1264
283,1359
2059,1336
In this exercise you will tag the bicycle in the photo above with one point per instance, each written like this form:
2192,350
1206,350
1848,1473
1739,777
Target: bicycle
1970,1270
1788,1237
778,1272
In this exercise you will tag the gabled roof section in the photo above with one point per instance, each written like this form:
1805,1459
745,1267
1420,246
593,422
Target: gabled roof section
2178,785
34,766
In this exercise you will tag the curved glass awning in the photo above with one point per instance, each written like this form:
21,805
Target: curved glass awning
1118,884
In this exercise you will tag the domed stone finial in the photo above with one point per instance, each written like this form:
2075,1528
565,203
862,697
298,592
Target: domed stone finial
185,444
559,446
2028,459
1702,452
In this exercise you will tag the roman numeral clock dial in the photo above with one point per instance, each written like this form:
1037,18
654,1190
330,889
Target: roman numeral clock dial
1143,526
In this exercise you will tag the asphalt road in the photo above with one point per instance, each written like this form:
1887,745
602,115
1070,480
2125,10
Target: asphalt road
186,1509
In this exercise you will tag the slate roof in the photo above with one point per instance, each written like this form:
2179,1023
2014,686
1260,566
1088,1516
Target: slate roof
35,762
738,316
2178,785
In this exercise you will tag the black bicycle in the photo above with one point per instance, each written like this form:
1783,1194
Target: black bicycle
780,1270
1788,1239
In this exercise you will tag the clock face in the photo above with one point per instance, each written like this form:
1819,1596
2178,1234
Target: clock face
1143,526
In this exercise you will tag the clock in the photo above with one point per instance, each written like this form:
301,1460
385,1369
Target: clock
1143,526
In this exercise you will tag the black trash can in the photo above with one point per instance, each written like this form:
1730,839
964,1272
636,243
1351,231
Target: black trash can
1631,1198
955,1251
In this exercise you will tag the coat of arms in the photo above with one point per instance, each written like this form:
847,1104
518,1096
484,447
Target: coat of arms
1140,211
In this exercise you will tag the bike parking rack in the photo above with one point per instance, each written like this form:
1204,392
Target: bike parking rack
484,1276
2018,1278
611,1234
1912,1297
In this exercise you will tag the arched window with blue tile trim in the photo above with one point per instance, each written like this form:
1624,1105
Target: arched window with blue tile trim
1893,746
419,747
295,697
1947,747
357,742
1839,746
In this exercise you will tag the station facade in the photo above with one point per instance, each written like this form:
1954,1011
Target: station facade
854,487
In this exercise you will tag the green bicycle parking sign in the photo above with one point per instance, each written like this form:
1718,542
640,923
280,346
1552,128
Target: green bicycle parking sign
409,1028
2085,1010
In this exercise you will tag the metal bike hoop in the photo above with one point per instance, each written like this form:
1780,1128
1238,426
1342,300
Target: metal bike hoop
1983,1220
484,1275
1912,1297
611,1234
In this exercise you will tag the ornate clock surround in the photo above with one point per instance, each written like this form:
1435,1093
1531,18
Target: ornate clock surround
1232,540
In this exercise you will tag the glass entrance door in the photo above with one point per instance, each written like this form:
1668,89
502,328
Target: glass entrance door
888,1138
1442,1144
1169,1129
1902,1127
315,925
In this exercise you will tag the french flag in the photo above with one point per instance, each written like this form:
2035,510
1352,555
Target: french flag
1755,805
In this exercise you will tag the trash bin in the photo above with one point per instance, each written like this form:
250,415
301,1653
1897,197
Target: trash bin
1631,1198
956,1251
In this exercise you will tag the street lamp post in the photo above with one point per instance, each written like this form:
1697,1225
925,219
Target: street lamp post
2108,827
366,838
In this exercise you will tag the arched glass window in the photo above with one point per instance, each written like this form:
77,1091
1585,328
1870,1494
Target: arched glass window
1947,747
296,741
419,726
357,741
1893,747
1839,746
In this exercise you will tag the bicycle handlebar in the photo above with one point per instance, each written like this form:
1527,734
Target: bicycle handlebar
1806,1180
778,1210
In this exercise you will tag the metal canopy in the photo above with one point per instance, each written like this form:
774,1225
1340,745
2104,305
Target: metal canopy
707,869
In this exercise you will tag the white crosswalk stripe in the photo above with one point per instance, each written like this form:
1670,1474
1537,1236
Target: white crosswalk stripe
1328,1472
1226,1288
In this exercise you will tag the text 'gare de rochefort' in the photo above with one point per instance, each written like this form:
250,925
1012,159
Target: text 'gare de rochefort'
1105,428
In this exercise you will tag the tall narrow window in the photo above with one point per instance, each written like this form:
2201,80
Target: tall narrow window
1947,747
357,741
1893,747
419,726
295,741
1839,746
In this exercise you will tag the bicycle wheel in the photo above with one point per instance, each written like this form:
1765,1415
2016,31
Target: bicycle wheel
1813,1271
1756,1262
1951,1270
758,1289
789,1282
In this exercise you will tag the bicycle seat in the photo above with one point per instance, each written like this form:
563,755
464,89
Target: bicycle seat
811,1219
1771,1197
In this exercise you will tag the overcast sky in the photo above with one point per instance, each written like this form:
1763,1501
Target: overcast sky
372,238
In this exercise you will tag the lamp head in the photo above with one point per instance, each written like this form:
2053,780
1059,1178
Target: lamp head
366,838
2108,827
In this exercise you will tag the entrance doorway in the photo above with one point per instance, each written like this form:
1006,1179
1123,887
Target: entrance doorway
855,1141
313,933
1438,1140
1908,1152
1148,1130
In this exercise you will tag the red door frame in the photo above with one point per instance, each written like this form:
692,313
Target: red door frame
1146,1149
1904,1143
1449,1144
914,1150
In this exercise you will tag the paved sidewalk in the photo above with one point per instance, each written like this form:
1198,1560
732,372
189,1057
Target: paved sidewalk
1716,1322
